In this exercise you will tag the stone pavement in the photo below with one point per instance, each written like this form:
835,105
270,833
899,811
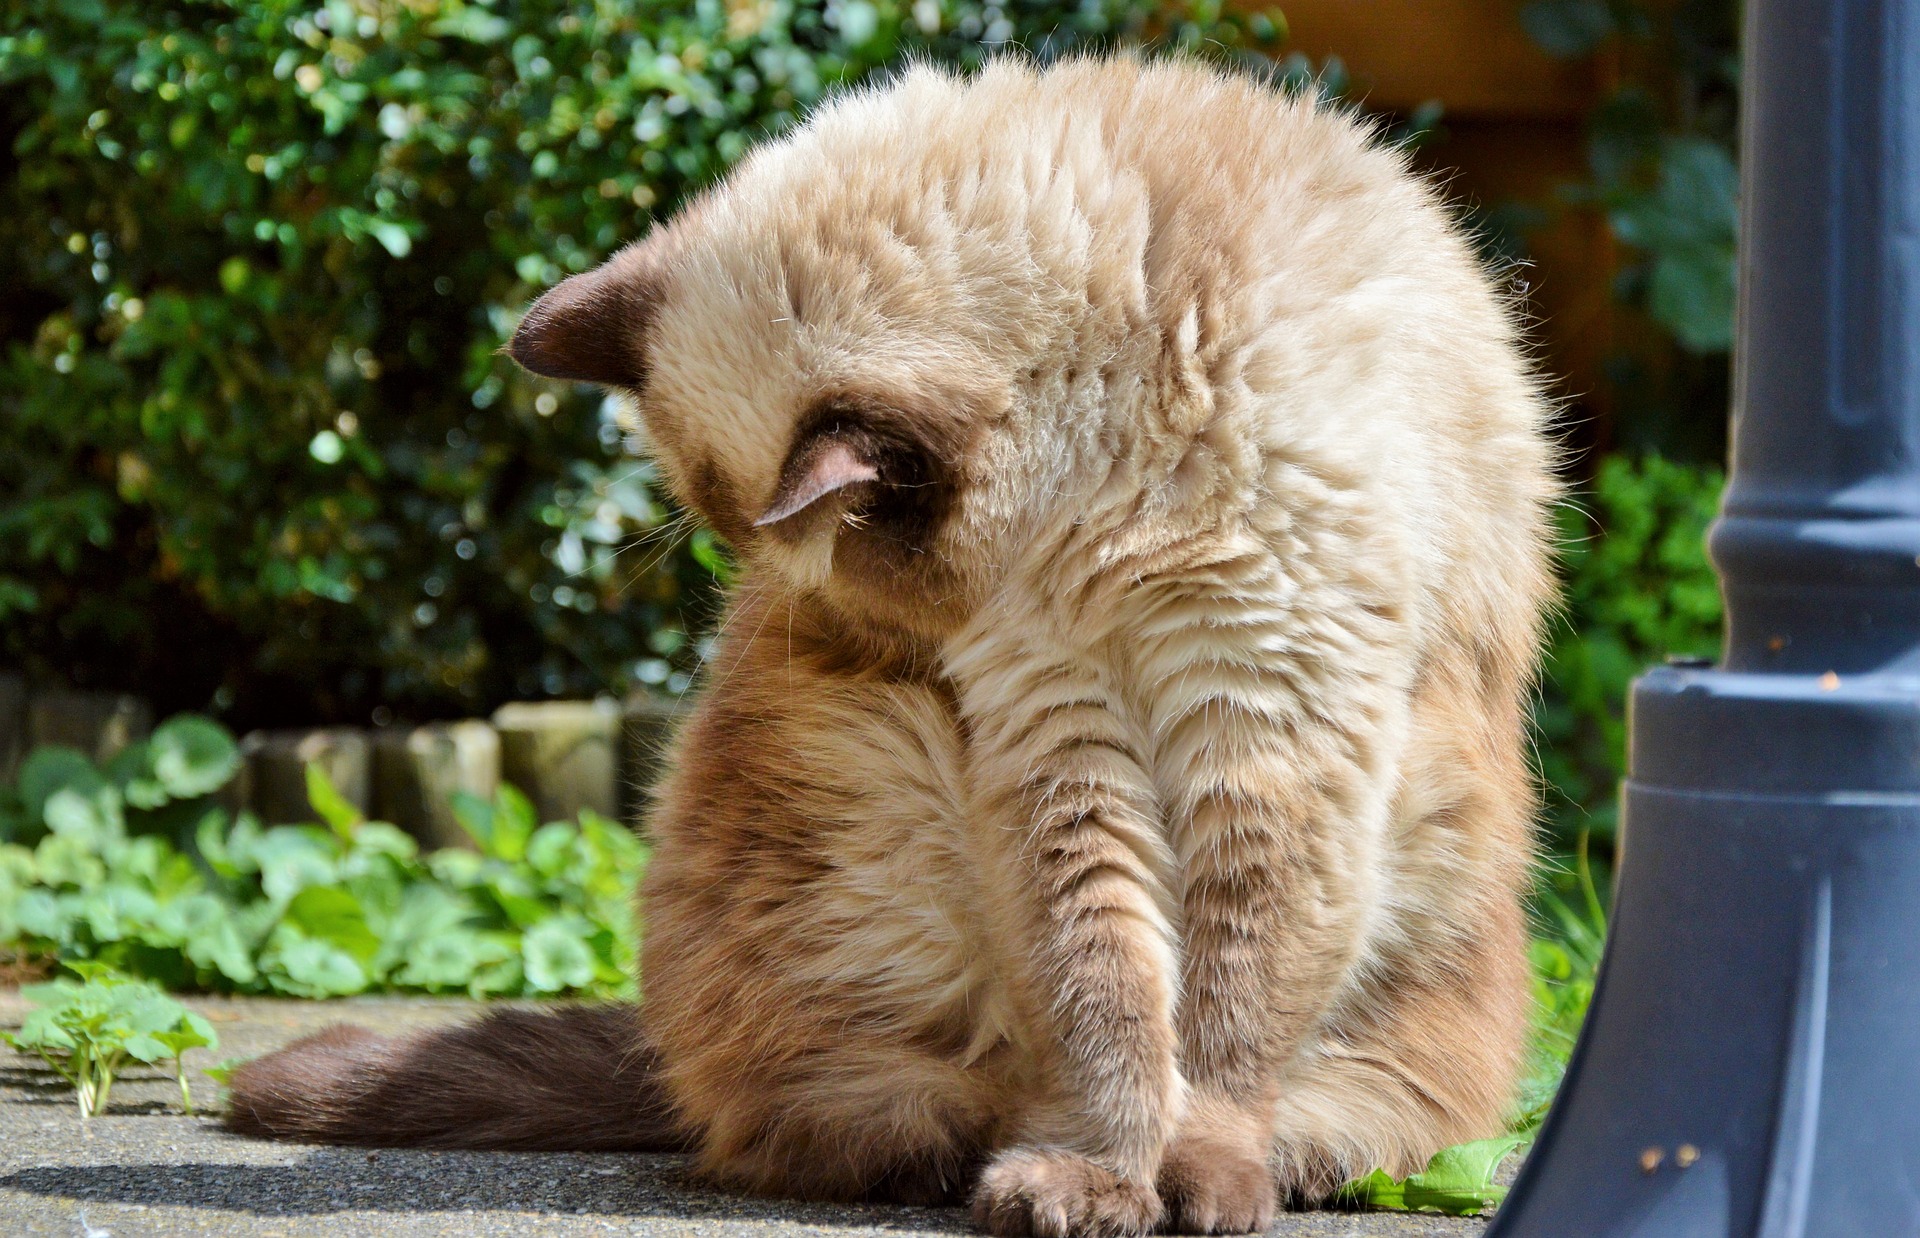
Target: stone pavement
144,1169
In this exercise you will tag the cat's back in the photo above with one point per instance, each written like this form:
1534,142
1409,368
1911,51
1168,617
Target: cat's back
1125,202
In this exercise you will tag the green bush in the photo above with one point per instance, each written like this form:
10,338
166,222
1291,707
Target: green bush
1638,589
258,452
152,877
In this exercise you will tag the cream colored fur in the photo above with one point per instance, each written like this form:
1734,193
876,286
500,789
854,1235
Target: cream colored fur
1146,845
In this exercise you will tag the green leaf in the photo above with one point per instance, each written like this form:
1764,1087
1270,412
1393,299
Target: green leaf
377,838
713,554
1692,294
333,807
217,946
473,23
131,770
52,768
516,894
557,956
308,968
1458,1181
447,961
69,860
514,821
93,820
551,849
222,1072
393,237
1568,28
191,1031
475,816
332,915
118,911
291,859
192,756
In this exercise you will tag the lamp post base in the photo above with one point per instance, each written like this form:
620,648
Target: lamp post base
1752,1063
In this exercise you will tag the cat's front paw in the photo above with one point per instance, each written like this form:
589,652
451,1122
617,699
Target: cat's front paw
1045,1193
1214,1187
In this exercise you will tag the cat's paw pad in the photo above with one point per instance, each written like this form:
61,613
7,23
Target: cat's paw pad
1215,1188
1043,1193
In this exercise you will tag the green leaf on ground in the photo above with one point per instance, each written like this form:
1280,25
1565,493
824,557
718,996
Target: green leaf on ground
1458,1181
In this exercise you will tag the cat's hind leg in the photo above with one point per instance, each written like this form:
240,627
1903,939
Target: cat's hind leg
1423,1059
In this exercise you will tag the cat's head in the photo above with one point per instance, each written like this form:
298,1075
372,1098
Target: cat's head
845,483
820,364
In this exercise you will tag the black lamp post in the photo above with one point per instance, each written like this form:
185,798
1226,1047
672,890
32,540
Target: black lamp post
1751,1068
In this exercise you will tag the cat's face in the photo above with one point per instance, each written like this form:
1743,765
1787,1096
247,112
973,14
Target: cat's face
824,450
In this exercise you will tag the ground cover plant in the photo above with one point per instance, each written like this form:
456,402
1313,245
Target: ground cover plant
136,866
89,1030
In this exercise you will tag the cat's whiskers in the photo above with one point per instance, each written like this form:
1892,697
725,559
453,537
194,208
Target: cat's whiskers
669,535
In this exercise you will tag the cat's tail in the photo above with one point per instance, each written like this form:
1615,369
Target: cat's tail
578,1079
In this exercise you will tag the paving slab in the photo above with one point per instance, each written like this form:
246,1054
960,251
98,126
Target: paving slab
144,1168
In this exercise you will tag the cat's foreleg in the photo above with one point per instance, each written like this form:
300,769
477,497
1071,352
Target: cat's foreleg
1276,737
1069,825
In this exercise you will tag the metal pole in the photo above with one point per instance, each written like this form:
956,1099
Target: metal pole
1752,1062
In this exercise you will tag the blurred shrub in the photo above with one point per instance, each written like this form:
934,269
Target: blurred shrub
257,449
1638,589
148,874
1660,154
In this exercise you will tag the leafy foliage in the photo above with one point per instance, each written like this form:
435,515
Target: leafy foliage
1638,589
160,785
1662,172
314,910
259,258
89,1031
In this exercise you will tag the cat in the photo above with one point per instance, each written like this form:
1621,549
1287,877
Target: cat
1108,797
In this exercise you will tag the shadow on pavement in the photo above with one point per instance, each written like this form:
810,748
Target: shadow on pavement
411,1181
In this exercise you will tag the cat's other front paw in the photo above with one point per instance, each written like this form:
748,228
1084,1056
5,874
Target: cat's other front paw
1214,1187
1046,1193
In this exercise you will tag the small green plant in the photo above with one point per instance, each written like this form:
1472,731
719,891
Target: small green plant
1566,951
88,1031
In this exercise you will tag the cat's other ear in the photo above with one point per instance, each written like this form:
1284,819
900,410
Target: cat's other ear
823,465
592,328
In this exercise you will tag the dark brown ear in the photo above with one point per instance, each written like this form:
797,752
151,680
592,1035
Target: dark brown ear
821,466
592,328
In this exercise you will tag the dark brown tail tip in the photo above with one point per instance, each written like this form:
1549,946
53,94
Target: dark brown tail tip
579,1078
295,1093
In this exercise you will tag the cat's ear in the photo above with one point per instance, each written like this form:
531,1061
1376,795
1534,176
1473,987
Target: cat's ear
592,328
823,465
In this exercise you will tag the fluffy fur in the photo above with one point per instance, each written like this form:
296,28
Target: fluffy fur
1108,796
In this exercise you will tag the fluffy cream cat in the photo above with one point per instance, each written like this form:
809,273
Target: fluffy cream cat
1109,797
